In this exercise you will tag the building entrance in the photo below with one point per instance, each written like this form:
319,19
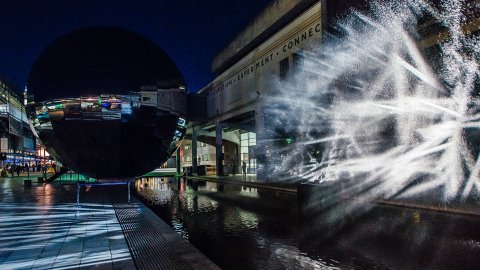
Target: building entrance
248,143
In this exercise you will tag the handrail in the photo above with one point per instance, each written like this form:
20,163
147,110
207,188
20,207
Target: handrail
79,184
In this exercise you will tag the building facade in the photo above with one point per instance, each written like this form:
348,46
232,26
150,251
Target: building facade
266,52
270,47
18,144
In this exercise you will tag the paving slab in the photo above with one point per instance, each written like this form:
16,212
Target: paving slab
41,227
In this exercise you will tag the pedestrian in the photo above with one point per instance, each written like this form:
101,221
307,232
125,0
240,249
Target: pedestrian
18,169
12,169
244,169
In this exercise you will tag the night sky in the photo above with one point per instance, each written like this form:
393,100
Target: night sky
190,32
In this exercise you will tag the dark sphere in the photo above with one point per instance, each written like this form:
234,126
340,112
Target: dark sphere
90,120
99,60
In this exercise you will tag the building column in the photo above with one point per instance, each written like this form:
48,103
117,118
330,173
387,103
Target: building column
177,160
218,148
238,161
194,151
260,148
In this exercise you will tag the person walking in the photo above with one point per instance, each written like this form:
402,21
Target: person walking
12,169
244,169
18,169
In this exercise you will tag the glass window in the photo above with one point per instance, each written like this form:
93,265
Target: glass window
205,157
186,146
298,60
284,66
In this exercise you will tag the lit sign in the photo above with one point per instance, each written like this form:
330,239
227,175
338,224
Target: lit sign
265,54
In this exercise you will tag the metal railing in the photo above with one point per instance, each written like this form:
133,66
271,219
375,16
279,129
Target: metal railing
79,184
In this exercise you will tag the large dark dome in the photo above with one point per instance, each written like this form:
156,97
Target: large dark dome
93,117
95,59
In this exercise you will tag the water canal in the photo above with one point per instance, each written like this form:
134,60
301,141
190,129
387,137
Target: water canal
239,227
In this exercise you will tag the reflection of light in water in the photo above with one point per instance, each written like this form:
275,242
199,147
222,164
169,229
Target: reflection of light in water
155,189
197,202
293,259
416,217
249,192
178,227
237,220
205,204
181,193
212,186
371,112
249,219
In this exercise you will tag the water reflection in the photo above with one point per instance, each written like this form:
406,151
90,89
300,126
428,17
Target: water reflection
237,227
246,228
156,189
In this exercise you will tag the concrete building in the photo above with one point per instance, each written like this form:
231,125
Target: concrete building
271,46
269,49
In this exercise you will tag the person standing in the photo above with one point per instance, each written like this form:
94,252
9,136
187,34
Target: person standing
234,167
27,169
13,169
244,169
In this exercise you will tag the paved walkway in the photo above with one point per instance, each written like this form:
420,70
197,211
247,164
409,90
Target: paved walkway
41,228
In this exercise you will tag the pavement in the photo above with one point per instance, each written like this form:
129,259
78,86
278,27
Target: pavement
42,228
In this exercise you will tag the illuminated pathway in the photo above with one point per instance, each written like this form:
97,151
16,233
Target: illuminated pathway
40,228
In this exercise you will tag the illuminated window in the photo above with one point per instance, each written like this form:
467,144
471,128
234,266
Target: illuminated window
248,142
205,157
186,146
